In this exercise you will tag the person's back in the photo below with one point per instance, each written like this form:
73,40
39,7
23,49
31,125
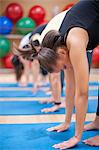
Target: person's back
84,14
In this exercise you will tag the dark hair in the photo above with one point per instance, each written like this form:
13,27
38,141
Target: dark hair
47,54
52,40
18,67
28,52
47,57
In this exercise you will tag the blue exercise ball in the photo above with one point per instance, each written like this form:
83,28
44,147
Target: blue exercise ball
6,25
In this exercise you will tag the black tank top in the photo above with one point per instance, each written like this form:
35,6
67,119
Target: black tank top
84,14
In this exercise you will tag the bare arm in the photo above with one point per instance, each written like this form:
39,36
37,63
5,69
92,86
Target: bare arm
79,62
55,86
70,92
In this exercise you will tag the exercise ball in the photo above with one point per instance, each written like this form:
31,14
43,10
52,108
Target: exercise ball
6,25
7,61
37,13
95,56
4,46
14,11
68,6
25,25
42,22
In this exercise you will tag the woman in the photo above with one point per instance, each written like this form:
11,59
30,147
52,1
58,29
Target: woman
21,67
66,42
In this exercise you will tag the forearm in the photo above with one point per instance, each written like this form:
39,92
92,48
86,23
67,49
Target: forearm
26,70
81,103
69,102
55,86
35,69
70,93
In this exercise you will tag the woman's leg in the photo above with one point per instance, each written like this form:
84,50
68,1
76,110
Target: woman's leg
98,104
95,124
93,141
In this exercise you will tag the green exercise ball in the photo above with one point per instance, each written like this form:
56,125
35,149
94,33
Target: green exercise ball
25,25
4,46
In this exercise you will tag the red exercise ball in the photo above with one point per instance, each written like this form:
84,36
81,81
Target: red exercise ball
68,6
42,22
37,13
7,61
95,56
14,11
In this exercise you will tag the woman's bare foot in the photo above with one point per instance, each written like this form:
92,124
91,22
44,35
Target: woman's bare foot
93,141
93,125
60,128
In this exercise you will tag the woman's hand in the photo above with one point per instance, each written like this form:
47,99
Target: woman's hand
67,144
59,128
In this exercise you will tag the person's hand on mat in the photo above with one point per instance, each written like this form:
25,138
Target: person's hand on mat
91,126
51,109
93,141
67,144
35,89
51,100
23,84
60,128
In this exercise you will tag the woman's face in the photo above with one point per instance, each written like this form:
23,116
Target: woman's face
61,62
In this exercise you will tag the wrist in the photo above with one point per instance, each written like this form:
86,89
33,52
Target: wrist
77,137
57,103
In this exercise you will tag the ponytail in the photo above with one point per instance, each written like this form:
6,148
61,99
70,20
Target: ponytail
18,67
28,52
47,53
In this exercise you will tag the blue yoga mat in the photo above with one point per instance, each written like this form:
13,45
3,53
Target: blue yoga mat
35,137
23,94
28,93
30,84
3,85
34,108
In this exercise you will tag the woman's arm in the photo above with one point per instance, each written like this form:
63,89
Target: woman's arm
77,42
70,93
69,101
79,62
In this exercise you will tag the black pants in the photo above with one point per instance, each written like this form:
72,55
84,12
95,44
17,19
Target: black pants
89,56
98,104
62,81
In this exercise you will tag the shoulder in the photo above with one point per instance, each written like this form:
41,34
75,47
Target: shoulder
76,37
